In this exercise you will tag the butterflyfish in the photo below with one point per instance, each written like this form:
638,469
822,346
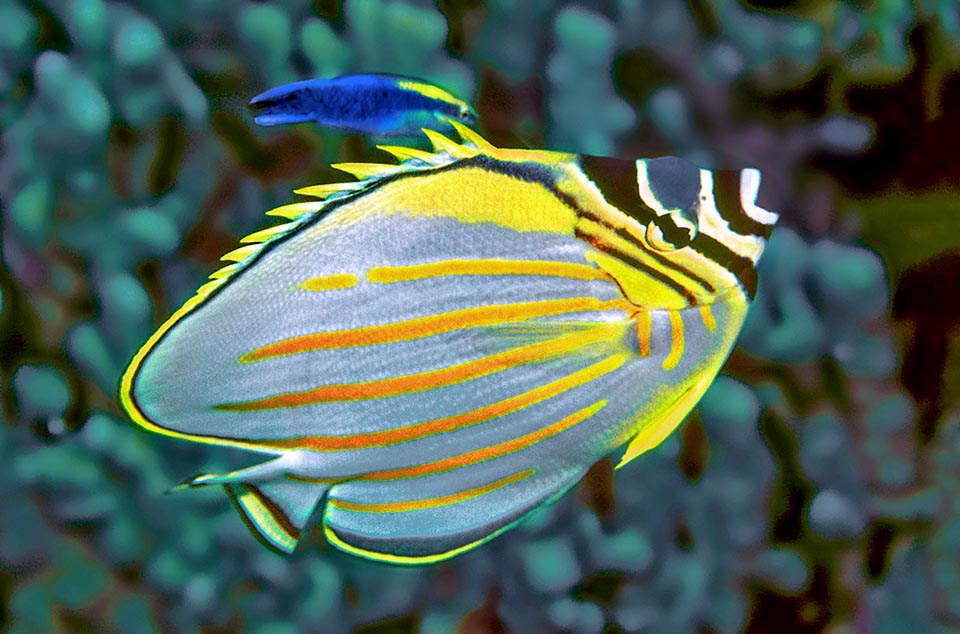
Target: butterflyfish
373,104
426,355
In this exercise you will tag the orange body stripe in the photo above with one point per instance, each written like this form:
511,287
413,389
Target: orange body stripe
329,282
430,503
487,453
676,340
644,328
432,379
458,421
429,325
387,274
707,316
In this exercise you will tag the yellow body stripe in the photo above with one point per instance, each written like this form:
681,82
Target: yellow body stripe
458,421
388,274
644,328
706,314
430,91
432,379
487,453
419,327
329,282
430,503
676,340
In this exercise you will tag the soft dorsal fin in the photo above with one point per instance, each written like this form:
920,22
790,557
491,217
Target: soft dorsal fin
445,150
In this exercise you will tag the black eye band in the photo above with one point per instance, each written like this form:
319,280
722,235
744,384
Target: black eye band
617,181
674,233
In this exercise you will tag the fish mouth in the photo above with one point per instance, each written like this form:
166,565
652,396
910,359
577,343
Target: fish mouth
280,105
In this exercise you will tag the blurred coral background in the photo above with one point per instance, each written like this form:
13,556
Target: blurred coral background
815,489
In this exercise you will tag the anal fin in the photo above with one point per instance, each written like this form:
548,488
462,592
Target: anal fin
274,505
276,512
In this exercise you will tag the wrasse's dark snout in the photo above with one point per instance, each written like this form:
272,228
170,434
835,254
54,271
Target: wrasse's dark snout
280,105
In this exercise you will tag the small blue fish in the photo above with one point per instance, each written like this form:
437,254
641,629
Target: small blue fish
374,104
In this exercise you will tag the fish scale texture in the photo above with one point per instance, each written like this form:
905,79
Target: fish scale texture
803,490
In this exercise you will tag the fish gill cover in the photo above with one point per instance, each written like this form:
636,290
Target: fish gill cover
814,487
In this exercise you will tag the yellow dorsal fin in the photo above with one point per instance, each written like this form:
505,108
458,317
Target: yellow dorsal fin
471,136
322,191
265,234
207,288
402,153
240,254
295,210
365,170
224,271
443,144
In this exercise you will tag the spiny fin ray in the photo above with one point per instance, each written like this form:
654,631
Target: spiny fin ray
265,234
403,153
322,191
295,210
242,253
365,170
443,144
471,136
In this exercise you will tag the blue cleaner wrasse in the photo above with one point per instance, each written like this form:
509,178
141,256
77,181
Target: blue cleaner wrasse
373,104
426,355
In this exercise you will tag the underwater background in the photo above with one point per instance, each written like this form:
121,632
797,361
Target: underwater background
815,489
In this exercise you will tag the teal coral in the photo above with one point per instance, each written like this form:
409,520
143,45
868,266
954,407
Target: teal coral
127,169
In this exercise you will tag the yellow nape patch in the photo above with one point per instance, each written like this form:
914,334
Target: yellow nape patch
442,194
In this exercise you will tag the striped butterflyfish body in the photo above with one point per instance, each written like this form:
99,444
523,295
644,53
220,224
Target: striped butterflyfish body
431,352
